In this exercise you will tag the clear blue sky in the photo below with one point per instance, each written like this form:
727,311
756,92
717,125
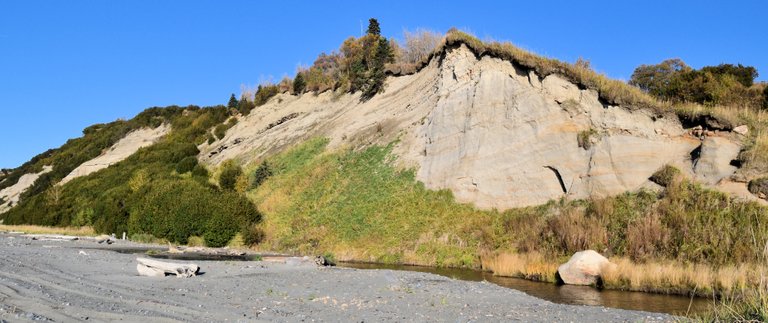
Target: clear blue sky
65,65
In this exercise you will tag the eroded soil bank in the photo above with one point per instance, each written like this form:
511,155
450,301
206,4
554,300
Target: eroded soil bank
53,280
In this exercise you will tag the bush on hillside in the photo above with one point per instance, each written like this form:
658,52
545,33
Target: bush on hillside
298,84
176,209
244,106
200,171
253,235
186,165
264,93
665,175
229,173
724,84
261,174
220,131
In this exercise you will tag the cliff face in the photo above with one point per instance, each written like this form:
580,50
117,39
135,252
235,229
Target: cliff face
497,135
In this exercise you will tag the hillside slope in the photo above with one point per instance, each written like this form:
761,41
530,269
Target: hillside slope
495,133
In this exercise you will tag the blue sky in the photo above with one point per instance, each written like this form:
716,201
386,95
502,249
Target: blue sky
65,65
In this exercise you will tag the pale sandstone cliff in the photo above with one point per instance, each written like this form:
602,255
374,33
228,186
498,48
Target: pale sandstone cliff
121,150
10,195
495,134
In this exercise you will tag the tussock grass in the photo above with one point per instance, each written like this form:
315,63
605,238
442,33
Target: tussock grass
38,229
533,266
670,277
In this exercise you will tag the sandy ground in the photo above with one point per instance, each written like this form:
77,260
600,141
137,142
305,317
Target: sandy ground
49,280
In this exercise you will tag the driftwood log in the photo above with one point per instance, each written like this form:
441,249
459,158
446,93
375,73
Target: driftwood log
154,268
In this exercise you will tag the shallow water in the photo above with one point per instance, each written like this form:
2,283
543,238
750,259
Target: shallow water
565,294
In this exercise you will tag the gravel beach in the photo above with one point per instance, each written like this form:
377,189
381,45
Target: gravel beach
71,281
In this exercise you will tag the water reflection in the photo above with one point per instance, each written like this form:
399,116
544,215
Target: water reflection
567,294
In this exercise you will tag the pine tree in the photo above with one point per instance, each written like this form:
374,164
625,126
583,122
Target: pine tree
384,55
299,84
232,102
373,27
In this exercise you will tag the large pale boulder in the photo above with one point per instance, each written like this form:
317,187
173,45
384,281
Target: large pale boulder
714,162
584,268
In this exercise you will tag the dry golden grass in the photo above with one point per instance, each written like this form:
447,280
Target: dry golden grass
36,229
666,277
678,278
529,266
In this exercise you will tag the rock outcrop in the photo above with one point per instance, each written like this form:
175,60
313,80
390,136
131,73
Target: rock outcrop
496,134
584,268
10,195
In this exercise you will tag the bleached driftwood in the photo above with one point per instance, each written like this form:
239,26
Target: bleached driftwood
154,268
50,237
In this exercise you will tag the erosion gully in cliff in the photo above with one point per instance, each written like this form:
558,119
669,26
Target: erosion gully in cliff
496,134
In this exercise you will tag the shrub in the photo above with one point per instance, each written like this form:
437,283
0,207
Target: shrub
299,84
759,186
584,138
647,238
253,235
264,93
656,79
186,165
665,175
220,131
573,231
261,174
200,171
177,209
417,48
245,106
229,174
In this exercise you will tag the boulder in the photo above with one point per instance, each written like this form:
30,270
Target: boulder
714,162
584,268
742,130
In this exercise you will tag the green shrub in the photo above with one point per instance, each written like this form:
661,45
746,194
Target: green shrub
299,84
186,165
253,235
245,106
665,175
220,131
261,174
264,93
177,209
111,210
584,138
200,171
229,174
